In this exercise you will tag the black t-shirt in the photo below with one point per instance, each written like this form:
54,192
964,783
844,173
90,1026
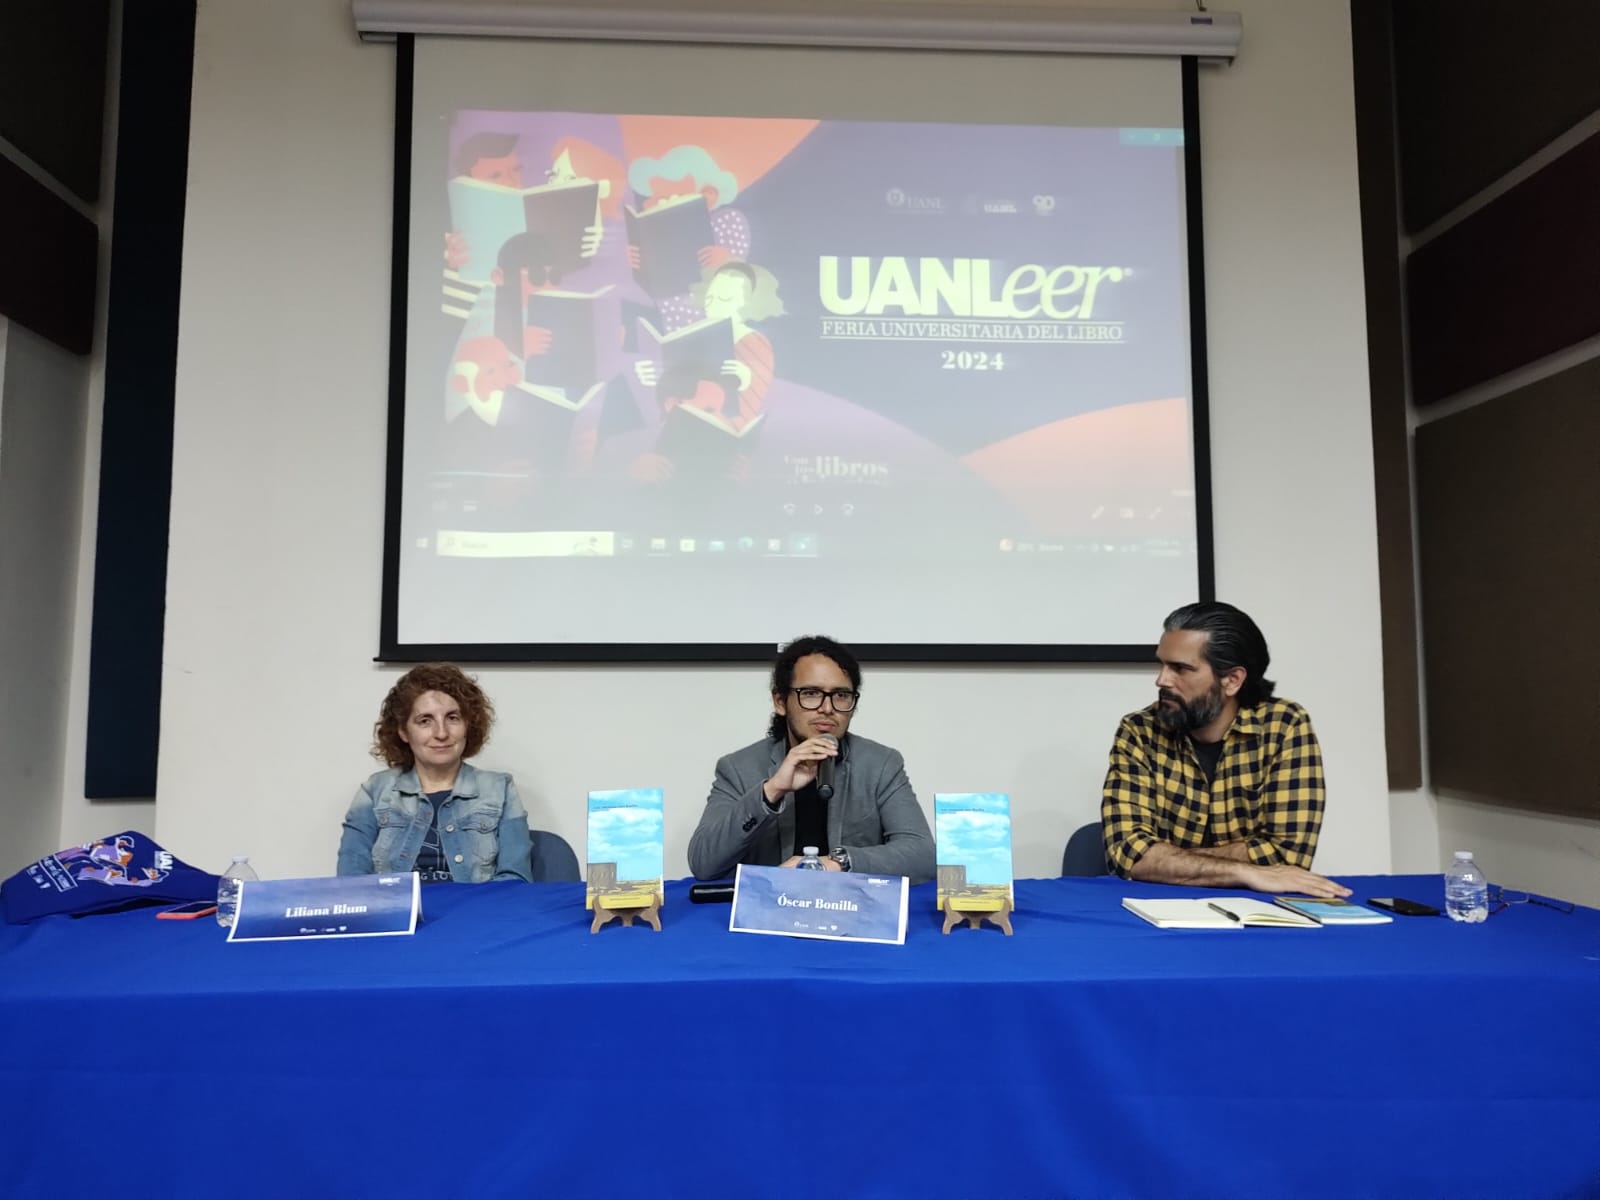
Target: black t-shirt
432,865
810,821
1210,754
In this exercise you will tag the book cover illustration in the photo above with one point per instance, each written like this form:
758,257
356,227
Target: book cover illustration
703,444
545,421
488,215
571,357
567,216
1334,911
626,853
668,239
972,831
688,355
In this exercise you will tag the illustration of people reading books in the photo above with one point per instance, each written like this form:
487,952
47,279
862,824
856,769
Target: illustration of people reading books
683,226
576,161
489,205
711,377
525,266
483,370
559,335
482,430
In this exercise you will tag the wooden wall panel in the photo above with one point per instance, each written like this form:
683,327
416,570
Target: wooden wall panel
1516,281
1386,372
53,86
1508,497
1484,85
48,270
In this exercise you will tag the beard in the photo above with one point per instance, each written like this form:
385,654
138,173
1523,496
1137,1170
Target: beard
1185,716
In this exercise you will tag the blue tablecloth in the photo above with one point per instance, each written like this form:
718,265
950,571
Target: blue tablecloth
504,1051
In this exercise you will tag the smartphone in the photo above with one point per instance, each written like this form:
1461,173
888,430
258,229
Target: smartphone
188,912
1406,908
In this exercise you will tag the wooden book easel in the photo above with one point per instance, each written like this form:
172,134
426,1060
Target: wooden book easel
649,913
976,917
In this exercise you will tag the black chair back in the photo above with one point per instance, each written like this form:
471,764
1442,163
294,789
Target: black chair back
552,860
1086,852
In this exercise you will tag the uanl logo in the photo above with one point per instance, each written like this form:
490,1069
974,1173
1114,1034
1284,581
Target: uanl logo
904,201
962,287
999,206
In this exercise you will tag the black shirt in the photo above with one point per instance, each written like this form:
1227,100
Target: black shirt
1210,754
810,821
432,865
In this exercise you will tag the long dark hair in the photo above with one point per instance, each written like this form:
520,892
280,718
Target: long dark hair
522,252
783,672
1233,640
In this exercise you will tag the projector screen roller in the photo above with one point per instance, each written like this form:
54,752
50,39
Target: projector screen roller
727,353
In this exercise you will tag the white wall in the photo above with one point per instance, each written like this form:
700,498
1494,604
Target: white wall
1538,852
269,693
43,391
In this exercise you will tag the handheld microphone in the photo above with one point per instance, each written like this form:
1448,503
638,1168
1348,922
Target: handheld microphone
825,770
711,893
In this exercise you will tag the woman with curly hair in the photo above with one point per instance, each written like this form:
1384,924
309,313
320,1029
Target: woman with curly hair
431,811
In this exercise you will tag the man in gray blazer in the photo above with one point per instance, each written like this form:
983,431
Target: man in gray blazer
764,806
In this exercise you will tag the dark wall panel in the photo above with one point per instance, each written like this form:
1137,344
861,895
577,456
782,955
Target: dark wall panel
130,579
1508,497
1517,280
53,86
1483,85
1391,435
48,269
1391,440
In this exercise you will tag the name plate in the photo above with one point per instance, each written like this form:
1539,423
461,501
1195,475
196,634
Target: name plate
275,910
838,906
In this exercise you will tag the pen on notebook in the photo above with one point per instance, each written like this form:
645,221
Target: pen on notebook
1223,911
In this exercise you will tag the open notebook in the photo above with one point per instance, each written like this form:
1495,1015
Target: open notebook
1220,912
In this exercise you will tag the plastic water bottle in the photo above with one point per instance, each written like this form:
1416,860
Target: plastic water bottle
228,888
1466,891
810,862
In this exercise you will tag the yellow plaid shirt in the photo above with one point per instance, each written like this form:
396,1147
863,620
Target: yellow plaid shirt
1268,790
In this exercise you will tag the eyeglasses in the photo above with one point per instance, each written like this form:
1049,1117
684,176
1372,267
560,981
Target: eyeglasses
1503,898
811,698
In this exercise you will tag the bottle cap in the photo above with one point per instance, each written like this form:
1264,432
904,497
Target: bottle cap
809,850
1463,855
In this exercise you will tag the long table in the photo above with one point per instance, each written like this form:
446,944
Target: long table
504,1051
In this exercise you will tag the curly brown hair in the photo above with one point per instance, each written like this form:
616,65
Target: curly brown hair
476,711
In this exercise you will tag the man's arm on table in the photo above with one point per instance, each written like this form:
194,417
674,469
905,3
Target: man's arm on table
1163,862
1135,850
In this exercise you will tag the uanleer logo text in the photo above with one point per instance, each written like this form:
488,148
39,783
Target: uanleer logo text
963,287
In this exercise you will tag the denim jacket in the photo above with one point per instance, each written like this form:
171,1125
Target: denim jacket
482,827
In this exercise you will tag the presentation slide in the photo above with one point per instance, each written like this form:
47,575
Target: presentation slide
717,379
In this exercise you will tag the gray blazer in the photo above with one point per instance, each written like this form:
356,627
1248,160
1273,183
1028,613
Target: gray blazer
874,814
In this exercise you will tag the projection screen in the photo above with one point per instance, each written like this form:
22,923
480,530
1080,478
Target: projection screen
705,347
